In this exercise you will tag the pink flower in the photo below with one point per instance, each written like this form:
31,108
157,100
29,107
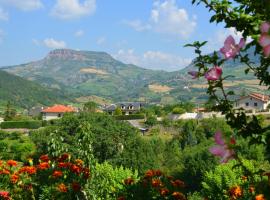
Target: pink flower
194,74
213,74
221,149
265,26
4,195
230,49
264,41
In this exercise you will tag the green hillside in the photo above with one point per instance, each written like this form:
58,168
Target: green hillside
24,93
87,73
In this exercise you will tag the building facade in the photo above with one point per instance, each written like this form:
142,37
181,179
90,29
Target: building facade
56,112
253,101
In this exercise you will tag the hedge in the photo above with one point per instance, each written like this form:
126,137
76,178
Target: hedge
129,117
21,124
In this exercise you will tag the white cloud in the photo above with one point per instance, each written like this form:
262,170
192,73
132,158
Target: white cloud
101,40
54,44
72,9
153,59
25,5
3,15
79,33
167,18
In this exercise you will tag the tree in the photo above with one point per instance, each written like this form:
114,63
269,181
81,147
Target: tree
9,113
90,106
118,111
151,120
178,110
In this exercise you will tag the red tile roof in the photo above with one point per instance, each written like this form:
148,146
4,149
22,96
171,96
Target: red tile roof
58,109
261,97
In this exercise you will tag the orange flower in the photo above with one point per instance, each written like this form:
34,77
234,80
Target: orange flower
63,165
236,192
5,171
57,174
62,187
43,166
128,181
164,191
178,183
79,162
158,172
28,169
260,197
251,189
75,169
44,158
178,196
156,182
76,186
14,178
149,174
11,163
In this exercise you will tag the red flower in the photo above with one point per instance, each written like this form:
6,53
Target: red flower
11,163
86,173
164,191
43,166
44,158
63,157
4,195
57,174
149,174
128,181
62,187
28,169
76,186
63,165
5,171
121,198
14,178
75,169
158,172
156,183
178,183
178,196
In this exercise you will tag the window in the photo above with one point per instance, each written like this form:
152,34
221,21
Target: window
59,115
247,104
255,104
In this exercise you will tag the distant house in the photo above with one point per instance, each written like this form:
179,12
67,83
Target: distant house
35,111
253,101
127,108
1,119
56,112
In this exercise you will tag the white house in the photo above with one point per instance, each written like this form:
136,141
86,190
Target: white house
253,101
56,112
1,120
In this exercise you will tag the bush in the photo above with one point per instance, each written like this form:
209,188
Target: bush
178,110
151,121
129,117
21,124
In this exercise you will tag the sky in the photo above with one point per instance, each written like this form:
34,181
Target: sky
147,33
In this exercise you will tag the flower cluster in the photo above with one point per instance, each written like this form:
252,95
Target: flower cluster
237,192
62,175
264,39
154,184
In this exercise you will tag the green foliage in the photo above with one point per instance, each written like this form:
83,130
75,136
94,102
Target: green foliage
107,181
21,124
129,117
9,112
151,120
178,110
118,111
90,106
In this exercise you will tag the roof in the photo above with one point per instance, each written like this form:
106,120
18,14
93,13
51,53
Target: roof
112,107
261,97
58,109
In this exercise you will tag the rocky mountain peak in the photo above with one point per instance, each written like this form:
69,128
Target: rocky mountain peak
65,54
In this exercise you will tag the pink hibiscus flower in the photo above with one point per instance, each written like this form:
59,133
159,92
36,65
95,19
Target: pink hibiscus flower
213,74
194,74
221,149
265,26
230,49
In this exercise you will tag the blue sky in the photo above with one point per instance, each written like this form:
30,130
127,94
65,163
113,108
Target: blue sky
148,33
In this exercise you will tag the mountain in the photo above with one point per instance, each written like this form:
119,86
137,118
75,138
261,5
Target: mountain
24,93
87,74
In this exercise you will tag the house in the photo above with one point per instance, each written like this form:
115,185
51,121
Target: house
253,101
36,111
127,108
1,119
56,112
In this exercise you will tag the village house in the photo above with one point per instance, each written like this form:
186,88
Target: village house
253,101
127,108
36,111
56,112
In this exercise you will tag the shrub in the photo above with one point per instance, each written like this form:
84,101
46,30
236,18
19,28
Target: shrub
178,110
129,117
21,124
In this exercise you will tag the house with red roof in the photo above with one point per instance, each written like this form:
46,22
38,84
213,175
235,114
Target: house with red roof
253,101
56,111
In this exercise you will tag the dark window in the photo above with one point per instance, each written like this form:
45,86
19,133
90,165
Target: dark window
59,115
255,104
247,104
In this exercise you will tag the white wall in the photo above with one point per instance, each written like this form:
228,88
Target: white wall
260,104
49,116
1,120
